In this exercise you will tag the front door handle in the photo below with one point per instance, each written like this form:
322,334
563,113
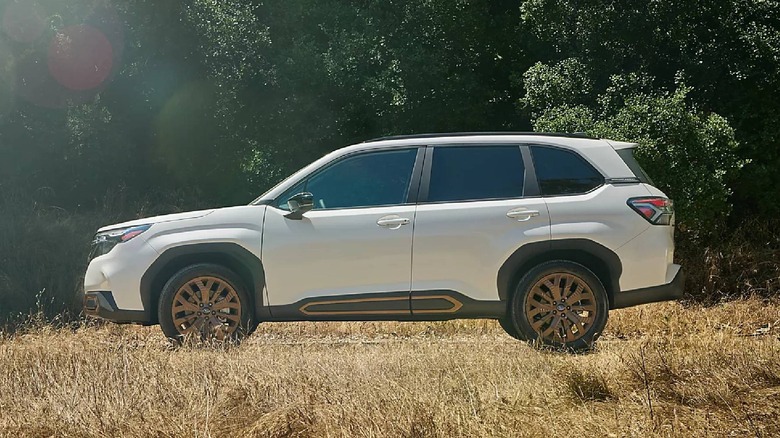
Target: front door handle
522,214
392,221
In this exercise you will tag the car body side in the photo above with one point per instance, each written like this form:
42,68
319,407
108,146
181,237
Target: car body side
632,258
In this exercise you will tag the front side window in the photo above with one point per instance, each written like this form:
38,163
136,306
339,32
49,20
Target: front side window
562,172
465,173
364,180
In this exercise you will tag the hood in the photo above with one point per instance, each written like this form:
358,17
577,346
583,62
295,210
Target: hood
158,219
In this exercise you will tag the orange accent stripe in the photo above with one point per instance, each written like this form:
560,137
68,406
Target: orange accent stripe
355,312
456,305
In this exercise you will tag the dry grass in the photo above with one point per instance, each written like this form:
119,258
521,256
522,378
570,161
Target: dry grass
660,370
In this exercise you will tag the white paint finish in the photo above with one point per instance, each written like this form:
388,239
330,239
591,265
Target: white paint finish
158,219
647,259
601,215
120,272
646,251
618,145
334,252
460,246
242,225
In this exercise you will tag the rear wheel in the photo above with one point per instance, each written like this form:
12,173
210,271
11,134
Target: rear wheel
560,304
510,329
206,302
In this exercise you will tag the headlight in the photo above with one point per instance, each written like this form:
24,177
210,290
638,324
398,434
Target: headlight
106,241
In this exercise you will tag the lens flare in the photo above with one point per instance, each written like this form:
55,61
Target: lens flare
80,57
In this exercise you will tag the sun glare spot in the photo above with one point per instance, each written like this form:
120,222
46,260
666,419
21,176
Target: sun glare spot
80,57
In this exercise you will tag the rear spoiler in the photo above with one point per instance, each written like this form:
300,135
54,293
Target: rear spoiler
618,145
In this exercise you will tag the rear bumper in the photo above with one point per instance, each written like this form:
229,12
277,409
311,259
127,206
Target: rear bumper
664,292
101,304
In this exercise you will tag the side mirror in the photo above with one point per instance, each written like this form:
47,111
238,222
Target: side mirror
300,204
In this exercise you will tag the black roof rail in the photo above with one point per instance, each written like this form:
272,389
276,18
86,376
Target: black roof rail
467,134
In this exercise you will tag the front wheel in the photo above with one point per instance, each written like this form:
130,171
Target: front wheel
560,304
206,302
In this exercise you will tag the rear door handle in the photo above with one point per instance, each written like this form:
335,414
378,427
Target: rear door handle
392,221
522,214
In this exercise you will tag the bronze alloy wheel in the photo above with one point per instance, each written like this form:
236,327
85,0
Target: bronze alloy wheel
560,307
208,307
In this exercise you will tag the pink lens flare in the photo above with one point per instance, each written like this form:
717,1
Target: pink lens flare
80,57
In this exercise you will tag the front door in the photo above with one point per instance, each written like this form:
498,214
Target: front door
349,257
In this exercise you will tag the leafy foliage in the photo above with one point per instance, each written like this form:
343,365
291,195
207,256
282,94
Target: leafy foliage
691,155
727,52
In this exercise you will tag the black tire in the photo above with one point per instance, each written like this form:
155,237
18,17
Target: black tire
529,308
241,322
510,329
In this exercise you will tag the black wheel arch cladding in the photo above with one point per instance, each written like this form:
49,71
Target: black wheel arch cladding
230,255
602,261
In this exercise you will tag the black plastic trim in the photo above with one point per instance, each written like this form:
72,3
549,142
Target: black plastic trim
425,182
628,180
664,292
414,183
531,184
225,253
596,257
101,304
430,305
471,134
433,305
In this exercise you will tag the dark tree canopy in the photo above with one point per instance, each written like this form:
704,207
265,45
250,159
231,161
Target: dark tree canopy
224,98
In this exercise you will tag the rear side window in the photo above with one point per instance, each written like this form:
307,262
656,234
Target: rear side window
476,172
562,172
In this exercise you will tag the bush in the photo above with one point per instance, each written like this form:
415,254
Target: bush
689,154
44,249
44,258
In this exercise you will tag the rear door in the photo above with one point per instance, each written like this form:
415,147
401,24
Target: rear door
478,204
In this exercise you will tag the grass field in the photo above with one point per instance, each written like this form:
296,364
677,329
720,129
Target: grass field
659,370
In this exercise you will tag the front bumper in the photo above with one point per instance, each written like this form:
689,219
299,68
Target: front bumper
101,304
664,292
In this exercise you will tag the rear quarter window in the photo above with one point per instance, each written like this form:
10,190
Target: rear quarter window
563,172
627,155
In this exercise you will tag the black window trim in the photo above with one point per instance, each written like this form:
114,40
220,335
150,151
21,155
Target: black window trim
414,181
530,185
575,152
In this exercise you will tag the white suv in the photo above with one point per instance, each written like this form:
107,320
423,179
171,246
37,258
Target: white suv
543,232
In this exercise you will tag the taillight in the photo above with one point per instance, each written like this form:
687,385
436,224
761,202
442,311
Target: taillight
657,210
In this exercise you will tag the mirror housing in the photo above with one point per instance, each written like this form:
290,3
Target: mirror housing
299,204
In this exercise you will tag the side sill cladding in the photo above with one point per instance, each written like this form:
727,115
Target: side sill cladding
230,255
594,256
430,305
